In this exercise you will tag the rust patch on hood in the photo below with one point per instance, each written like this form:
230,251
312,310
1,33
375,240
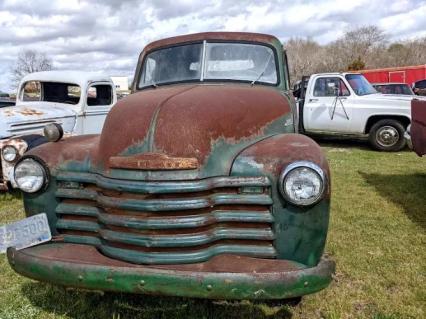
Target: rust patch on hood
24,111
130,119
187,121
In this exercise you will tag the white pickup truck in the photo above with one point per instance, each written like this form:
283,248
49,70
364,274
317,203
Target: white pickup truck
78,101
347,105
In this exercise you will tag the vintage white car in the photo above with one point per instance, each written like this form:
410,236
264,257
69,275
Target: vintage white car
78,101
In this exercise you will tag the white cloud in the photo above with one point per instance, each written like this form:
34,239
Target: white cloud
108,35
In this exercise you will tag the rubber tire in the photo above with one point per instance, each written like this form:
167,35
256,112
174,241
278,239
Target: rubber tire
387,122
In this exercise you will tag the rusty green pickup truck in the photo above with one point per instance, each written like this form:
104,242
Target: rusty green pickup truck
198,185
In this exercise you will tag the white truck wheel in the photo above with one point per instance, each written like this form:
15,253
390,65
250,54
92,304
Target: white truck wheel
387,135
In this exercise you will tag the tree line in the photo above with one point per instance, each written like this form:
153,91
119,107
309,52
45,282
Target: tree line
365,47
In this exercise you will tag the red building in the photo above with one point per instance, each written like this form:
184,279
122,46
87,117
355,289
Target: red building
404,74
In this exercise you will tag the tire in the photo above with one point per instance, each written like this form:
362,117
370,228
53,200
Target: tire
387,135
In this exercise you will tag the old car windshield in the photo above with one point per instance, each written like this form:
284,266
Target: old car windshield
207,61
360,85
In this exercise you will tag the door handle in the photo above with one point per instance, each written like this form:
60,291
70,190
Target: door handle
313,100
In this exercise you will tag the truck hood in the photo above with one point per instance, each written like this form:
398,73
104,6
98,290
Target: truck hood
202,126
27,119
395,97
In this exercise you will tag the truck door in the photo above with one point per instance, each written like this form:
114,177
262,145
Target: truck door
326,106
99,100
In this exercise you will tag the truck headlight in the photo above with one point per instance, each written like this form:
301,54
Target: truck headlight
302,183
30,175
9,153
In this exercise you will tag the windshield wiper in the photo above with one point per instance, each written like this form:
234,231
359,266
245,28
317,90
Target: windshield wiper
153,84
264,70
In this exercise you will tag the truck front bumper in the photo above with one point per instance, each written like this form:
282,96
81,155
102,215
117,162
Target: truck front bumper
222,277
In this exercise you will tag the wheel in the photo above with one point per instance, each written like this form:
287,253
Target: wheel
387,135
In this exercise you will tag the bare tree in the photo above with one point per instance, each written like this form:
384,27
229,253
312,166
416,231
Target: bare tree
357,47
305,57
29,61
365,47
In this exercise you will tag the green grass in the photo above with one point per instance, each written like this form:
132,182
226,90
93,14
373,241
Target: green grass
377,237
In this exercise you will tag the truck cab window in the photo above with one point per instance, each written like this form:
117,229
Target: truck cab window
326,87
56,92
31,91
100,94
61,92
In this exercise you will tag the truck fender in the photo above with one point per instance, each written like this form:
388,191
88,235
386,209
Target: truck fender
301,227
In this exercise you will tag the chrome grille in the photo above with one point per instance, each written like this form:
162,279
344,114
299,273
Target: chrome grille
166,222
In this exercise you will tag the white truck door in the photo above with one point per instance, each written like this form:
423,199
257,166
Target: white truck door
100,97
326,105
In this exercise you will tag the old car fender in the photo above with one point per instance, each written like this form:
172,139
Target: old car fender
300,231
21,147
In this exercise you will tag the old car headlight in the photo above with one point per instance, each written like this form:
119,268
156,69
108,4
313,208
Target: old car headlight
302,183
53,132
9,153
30,175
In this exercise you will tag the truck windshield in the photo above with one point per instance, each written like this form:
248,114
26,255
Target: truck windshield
360,85
209,61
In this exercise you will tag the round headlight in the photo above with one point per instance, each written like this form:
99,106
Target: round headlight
9,153
53,132
30,175
302,183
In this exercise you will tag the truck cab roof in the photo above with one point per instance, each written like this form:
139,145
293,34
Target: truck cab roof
334,74
66,76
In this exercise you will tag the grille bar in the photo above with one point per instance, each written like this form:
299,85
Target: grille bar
167,222
163,187
188,257
200,238
161,205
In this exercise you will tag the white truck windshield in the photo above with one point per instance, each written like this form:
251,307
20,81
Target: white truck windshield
360,85
208,61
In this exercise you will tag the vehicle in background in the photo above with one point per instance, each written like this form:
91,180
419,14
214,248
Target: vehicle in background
347,105
197,186
393,88
6,100
404,74
416,132
419,87
78,101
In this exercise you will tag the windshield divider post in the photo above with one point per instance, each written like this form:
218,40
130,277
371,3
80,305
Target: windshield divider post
203,61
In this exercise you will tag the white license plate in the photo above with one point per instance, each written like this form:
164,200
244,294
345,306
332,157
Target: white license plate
25,233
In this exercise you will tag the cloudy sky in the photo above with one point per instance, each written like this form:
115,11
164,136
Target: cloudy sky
107,35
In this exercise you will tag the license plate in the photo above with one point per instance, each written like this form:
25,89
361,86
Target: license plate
25,233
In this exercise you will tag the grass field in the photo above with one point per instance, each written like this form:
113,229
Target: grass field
377,237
